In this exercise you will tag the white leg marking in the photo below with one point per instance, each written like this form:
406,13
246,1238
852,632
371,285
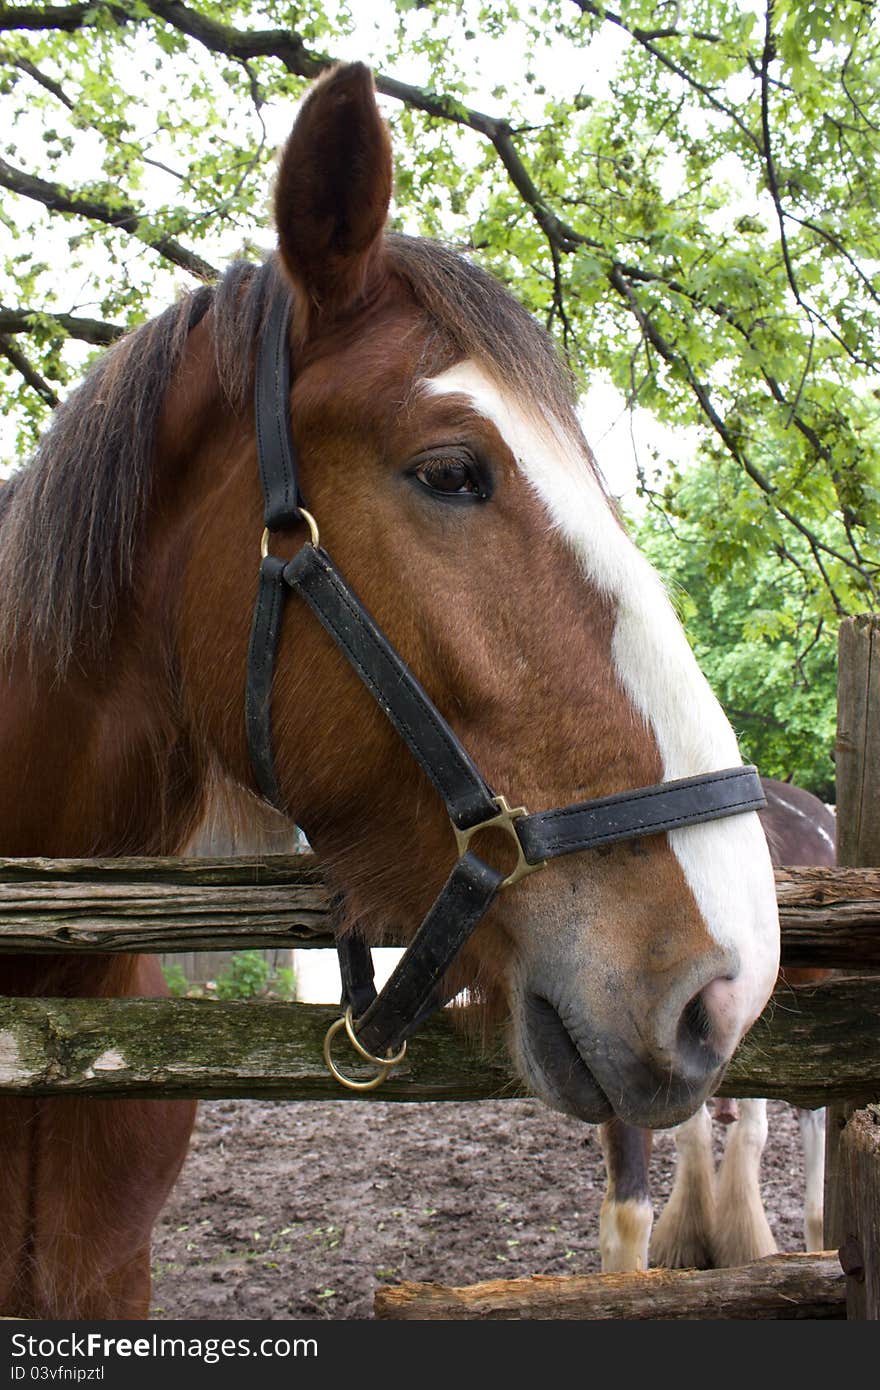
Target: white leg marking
812,1123
682,1236
741,1232
624,1233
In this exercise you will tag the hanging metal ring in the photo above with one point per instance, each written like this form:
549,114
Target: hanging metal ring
314,534
385,1064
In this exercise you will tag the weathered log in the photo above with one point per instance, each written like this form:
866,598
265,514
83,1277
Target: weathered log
812,1044
262,869
161,917
780,1286
859,1175
207,1048
830,917
154,905
857,765
857,747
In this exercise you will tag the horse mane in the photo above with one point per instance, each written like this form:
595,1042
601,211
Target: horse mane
73,518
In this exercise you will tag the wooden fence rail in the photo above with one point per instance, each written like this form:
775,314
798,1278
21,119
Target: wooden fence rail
810,1046
778,1287
829,917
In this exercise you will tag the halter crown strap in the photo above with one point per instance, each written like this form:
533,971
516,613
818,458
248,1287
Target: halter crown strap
276,451
279,476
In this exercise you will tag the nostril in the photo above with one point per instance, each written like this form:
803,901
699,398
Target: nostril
709,1021
694,1036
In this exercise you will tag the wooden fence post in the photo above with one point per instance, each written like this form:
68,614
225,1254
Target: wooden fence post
852,1159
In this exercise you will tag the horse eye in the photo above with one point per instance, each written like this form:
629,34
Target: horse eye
450,475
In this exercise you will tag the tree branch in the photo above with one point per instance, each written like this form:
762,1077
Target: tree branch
86,330
57,91
126,218
47,83
67,18
675,358
16,357
767,56
646,38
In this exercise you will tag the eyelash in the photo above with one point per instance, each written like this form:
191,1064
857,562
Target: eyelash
474,484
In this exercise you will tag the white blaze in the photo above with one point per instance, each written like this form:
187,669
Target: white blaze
726,863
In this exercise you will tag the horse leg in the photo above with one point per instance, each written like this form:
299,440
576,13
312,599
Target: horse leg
812,1123
741,1232
683,1234
626,1216
85,1182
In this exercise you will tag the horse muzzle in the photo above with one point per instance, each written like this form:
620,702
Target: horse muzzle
653,1071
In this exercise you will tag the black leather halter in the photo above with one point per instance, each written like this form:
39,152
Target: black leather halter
379,1024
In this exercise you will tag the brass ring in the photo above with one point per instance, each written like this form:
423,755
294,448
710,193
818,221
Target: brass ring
359,1048
384,1066
314,533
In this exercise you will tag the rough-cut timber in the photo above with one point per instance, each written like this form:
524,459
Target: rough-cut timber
205,1048
857,748
291,869
781,1286
852,1177
830,917
154,905
859,1174
811,1045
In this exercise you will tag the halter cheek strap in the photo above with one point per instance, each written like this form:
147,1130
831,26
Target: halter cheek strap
378,1025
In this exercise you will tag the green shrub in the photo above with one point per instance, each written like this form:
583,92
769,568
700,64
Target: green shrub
176,981
247,976
283,983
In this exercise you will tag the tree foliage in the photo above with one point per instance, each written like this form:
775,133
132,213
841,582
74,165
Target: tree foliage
753,624
686,192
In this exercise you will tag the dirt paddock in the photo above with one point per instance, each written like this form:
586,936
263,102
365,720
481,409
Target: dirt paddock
291,1210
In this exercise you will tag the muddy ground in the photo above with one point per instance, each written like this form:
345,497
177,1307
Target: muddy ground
300,1210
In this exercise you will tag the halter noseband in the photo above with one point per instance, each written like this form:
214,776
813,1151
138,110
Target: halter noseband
378,1025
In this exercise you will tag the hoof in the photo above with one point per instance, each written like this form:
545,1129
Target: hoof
678,1243
752,1241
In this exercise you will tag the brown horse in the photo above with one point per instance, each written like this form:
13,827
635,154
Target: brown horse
713,1220
441,454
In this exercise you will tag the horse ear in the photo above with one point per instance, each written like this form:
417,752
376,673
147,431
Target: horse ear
333,192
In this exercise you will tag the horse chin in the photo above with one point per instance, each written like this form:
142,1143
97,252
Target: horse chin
554,1067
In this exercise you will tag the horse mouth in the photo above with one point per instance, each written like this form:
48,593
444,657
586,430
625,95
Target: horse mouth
555,1068
631,1089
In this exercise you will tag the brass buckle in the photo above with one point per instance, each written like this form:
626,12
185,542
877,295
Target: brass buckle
384,1064
503,821
314,534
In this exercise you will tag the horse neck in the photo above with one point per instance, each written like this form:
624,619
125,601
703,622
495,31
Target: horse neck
92,763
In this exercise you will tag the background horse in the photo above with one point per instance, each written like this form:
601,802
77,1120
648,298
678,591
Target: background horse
441,454
712,1220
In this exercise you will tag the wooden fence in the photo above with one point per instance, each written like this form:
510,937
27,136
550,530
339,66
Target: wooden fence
813,1046
810,1046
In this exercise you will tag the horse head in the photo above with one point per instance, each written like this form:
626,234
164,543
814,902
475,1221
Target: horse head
442,458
